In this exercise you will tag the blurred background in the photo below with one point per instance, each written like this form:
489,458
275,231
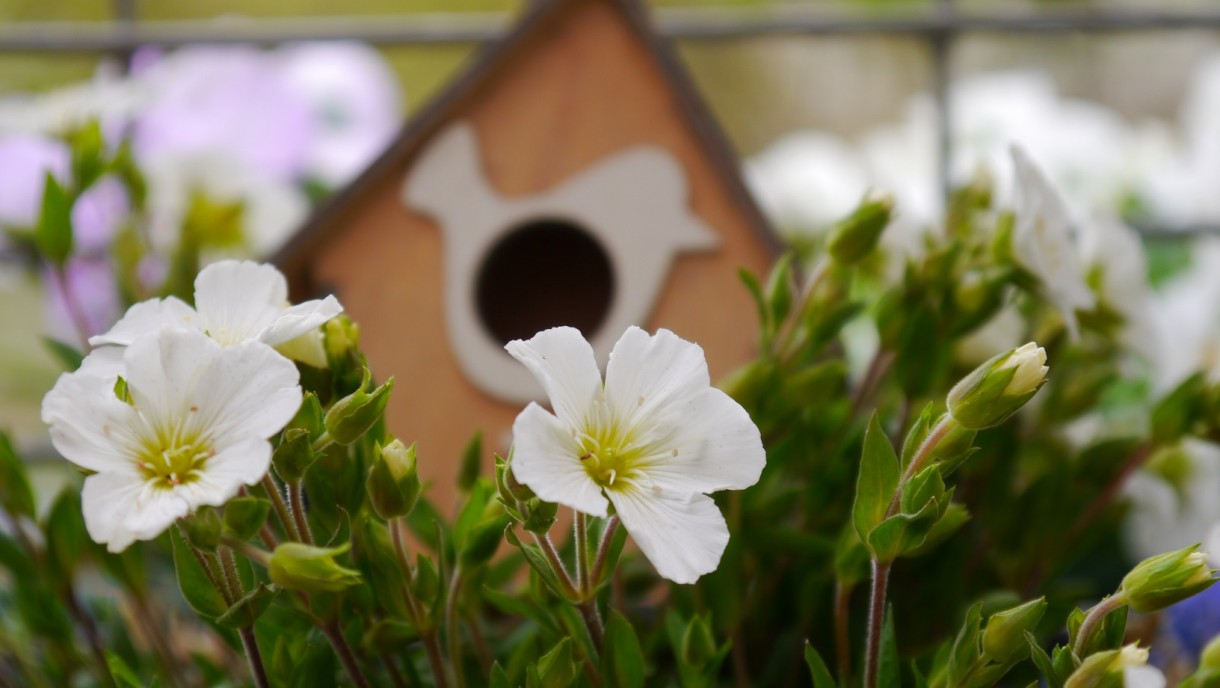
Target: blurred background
240,117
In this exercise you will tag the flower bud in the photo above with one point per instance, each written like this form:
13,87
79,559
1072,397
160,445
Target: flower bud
202,529
1107,669
393,483
1004,636
996,389
341,338
539,515
245,515
293,455
1166,579
855,236
297,566
354,414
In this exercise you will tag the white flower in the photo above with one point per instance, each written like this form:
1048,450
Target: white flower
1166,515
807,180
1143,676
654,439
235,302
1187,319
1115,251
1042,240
195,429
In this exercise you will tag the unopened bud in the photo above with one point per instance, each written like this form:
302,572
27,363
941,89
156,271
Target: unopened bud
293,455
855,236
341,337
354,414
1210,658
1004,636
995,390
202,529
1107,669
393,482
1166,579
297,566
539,515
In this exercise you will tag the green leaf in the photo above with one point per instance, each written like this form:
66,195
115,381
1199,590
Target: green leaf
966,653
780,288
66,535
472,460
888,666
876,482
244,516
15,493
124,677
921,489
53,235
246,611
537,561
69,357
194,582
557,668
622,662
760,302
817,668
902,533
497,678
954,517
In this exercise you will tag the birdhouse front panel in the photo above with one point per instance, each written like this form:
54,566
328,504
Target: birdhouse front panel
572,185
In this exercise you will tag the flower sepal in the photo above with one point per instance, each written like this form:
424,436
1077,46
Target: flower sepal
297,566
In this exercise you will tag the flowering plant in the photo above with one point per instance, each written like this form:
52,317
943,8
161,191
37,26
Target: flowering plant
891,493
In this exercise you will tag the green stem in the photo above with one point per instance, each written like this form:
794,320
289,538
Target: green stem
323,442
876,618
603,549
935,435
281,508
561,572
426,632
783,341
251,552
581,526
296,498
248,642
842,632
451,626
1093,620
332,632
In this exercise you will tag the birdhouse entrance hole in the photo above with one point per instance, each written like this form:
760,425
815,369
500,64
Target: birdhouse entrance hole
541,274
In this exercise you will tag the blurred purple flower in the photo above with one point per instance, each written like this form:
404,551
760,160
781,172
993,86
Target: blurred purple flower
98,214
233,101
25,160
1196,620
94,293
355,102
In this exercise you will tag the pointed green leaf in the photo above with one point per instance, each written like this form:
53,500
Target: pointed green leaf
194,582
817,668
53,235
246,611
622,659
876,482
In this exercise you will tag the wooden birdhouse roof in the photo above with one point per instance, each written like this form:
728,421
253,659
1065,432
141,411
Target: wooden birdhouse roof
489,65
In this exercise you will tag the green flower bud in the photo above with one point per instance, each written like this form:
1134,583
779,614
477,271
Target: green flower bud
1166,579
354,414
393,483
855,236
245,515
341,338
539,515
1210,658
1004,636
698,645
293,455
203,528
297,566
995,390
1105,669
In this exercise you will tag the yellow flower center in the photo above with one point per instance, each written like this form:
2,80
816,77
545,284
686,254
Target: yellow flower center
170,466
608,457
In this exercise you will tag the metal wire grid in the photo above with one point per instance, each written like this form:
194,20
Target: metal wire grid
939,25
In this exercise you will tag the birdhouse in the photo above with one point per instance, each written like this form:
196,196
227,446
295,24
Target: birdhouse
571,176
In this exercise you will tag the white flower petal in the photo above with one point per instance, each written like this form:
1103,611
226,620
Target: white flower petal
1143,676
245,391
564,364
309,348
300,320
162,371
238,300
89,425
120,508
239,463
545,458
651,374
716,446
683,535
147,317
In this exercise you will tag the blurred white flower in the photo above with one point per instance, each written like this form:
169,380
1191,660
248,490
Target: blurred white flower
1116,253
272,209
1143,676
107,99
1187,320
194,431
1004,331
355,103
1042,240
654,440
806,181
1166,516
235,302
